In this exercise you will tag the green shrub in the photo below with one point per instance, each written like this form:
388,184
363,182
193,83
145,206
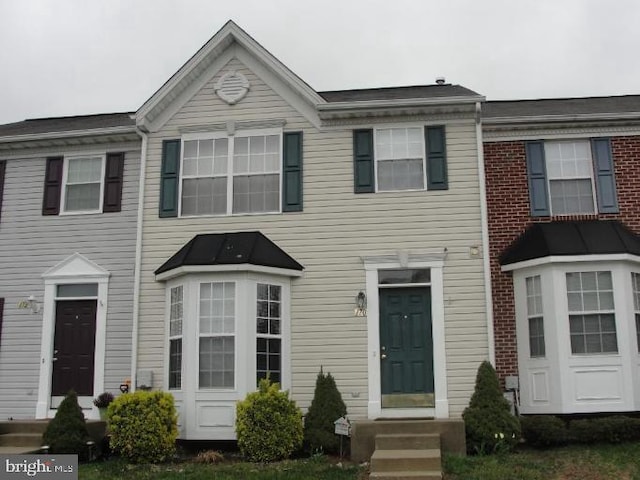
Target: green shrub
143,426
490,427
542,431
326,407
268,424
67,431
614,429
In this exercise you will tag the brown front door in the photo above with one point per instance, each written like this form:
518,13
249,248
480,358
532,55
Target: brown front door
74,347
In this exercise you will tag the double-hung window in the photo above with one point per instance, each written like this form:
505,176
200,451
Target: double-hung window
269,332
535,317
175,337
225,175
400,158
592,321
217,335
635,283
83,183
570,174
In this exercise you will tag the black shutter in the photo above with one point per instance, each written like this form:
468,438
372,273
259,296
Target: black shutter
113,174
1,315
169,178
605,176
363,175
52,186
537,173
292,172
437,178
3,166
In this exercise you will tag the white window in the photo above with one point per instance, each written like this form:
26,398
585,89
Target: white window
231,175
400,158
635,282
535,317
592,321
83,183
269,332
175,338
217,335
570,173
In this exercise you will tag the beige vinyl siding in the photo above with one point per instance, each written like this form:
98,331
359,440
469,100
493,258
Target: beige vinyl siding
31,243
336,228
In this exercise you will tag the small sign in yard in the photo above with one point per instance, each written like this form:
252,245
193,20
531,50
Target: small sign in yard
342,426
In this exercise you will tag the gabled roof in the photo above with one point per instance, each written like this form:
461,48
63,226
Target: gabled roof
559,108
64,125
564,238
193,69
239,248
398,93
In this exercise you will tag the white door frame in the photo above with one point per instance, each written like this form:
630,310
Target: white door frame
434,262
74,269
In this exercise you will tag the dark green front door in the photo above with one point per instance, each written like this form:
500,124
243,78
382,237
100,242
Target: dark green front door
406,348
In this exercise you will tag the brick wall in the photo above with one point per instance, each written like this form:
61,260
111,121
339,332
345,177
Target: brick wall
509,216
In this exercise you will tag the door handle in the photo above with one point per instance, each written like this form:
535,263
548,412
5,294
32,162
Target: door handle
55,352
383,356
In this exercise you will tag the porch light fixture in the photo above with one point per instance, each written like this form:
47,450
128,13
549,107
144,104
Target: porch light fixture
31,303
361,305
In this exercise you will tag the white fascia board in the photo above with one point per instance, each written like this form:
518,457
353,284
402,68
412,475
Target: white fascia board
581,117
558,259
398,103
229,33
68,134
243,267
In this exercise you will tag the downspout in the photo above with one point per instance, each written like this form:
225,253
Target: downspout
485,236
138,261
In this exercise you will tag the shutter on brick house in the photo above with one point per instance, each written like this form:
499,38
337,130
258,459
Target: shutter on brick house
169,178
605,176
363,176
436,158
113,182
292,172
537,173
52,186
1,315
3,166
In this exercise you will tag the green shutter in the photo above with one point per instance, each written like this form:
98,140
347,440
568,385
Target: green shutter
363,177
292,172
169,178
605,175
436,158
537,173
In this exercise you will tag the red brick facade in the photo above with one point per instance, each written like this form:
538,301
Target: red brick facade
509,215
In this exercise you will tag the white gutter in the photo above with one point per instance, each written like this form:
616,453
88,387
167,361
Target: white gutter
138,260
485,236
397,103
583,117
68,134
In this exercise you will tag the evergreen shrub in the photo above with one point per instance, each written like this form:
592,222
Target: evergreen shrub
143,426
268,424
489,425
326,407
613,429
67,431
544,431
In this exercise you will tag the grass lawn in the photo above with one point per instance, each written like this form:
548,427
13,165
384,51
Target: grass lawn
307,469
599,462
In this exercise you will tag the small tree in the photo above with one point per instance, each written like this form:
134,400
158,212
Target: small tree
490,427
268,424
67,431
326,407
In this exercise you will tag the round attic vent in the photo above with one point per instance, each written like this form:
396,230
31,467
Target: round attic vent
232,87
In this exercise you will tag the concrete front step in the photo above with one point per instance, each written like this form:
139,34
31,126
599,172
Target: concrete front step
406,460
402,441
21,440
19,450
421,475
24,426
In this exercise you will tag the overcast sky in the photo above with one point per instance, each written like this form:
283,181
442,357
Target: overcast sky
73,57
